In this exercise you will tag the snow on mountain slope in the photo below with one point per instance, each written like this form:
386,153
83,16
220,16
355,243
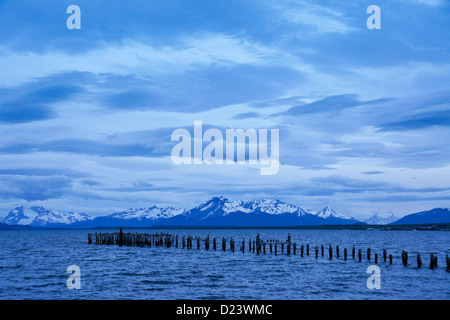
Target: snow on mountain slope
40,216
327,213
380,220
152,213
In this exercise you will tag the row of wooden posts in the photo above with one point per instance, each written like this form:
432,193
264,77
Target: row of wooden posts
257,246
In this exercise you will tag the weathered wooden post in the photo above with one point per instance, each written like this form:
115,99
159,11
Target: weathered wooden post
282,248
330,252
301,250
120,237
376,258
433,261
264,247
337,252
224,244
405,258
250,245
198,243
270,247
275,248
176,243
384,255
214,244
295,248
419,261
345,254
368,253
447,260
89,238
243,246
360,255
232,244
390,259
317,251
353,252
307,249
322,249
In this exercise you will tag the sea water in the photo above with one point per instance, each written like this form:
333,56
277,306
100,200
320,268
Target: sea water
34,263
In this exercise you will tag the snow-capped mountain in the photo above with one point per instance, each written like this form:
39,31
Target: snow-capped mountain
143,217
332,217
327,212
152,213
380,220
220,206
42,217
219,211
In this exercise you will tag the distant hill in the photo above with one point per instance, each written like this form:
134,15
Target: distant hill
437,215
4,226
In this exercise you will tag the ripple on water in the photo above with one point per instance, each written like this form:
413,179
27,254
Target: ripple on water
36,269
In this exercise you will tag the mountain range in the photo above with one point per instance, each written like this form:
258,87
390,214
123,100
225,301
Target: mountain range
217,211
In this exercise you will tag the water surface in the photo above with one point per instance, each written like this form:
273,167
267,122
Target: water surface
33,265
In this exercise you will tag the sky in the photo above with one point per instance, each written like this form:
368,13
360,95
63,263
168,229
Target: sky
86,116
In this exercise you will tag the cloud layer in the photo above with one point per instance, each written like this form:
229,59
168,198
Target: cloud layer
86,115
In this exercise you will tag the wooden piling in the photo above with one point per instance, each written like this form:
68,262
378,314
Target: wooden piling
368,254
302,248
345,254
121,237
390,259
359,255
384,255
376,258
224,244
330,252
317,251
433,261
307,249
447,259
353,252
405,258
419,261
337,252
322,249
